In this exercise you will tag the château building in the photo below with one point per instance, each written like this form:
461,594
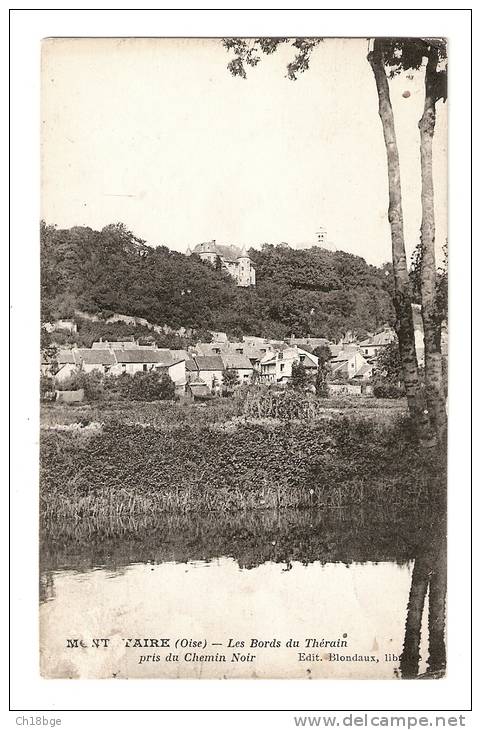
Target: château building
235,261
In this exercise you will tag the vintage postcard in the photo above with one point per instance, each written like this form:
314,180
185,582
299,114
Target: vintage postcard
243,358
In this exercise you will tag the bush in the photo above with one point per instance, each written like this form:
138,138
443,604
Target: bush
91,383
387,390
47,387
149,386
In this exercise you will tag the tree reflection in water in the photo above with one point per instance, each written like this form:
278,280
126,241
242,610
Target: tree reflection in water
349,536
428,578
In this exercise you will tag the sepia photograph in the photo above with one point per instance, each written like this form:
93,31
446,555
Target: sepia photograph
244,358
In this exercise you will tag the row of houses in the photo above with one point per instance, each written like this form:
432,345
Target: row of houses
201,369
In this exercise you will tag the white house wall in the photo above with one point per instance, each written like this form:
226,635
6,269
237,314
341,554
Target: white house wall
207,376
177,372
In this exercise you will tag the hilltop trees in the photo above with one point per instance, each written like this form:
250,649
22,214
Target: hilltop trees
304,292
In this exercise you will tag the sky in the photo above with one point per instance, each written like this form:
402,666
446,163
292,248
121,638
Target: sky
157,134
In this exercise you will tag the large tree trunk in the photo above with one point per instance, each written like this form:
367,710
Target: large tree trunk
435,397
402,291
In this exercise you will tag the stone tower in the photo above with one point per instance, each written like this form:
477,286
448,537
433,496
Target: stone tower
246,275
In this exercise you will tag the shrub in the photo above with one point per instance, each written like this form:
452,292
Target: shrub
387,389
299,378
167,387
149,386
47,387
230,380
91,383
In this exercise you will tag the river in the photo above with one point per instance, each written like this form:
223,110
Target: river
264,594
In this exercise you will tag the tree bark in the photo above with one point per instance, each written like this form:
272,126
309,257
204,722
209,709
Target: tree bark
435,396
402,291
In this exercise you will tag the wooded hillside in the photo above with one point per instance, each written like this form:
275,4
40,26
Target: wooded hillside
311,291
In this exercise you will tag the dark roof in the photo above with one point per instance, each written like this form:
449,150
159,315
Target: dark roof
95,357
65,356
254,353
168,357
209,362
190,366
308,343
228,252
114,345
142,356
381,338
208,348
236,360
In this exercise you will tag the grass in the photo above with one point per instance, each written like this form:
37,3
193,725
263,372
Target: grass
165,414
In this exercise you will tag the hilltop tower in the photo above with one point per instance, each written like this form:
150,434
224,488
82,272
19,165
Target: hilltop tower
321,236
207,251
246,274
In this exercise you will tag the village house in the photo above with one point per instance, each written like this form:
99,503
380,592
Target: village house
66,365
350,364
372,346
240,363
143,360
208,370
90,360
276,367
117,361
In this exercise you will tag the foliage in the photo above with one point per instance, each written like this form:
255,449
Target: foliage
299,376
312,291
387,389
47,387
330,462
230,379
150,386
388,378
441,282
323,353
388,364
91,383
322,389
167,387
247,52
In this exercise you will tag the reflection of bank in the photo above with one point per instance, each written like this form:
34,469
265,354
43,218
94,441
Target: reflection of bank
219,575
428,578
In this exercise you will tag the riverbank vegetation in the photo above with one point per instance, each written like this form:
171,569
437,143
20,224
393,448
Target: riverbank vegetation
153,458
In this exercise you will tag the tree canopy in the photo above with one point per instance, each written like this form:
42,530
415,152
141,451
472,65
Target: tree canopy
299,292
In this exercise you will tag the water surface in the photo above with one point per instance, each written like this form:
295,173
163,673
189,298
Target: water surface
236,592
